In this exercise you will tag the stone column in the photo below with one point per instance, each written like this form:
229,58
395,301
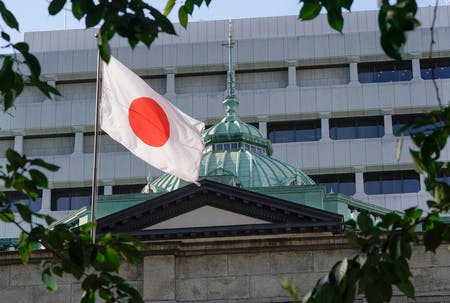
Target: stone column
18,144
359,182
325,128
262,125
423,189
107,190
292,73
388,125
170,81
354,73
78,146
416,69
46,200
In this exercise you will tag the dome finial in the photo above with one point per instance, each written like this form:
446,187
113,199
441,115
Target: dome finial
230,102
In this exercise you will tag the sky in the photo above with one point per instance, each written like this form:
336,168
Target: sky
33,15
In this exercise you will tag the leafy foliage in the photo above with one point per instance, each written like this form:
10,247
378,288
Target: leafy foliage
95,264
385,246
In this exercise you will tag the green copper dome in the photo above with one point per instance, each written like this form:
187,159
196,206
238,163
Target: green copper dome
236,153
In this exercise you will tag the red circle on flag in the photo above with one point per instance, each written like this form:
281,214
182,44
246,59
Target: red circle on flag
149,121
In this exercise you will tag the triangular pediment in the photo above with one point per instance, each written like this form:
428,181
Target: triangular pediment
216,209
206,216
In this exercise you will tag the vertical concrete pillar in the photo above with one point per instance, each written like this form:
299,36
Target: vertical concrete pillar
359,183
416,69
354,73
107,190
388,125
325,128
170,81
78,146
18,144
46,200
262,125
292,74
423,189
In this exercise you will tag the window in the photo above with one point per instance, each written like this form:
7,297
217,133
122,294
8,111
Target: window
72,198
399,121
391,182
356,127
105,144
200,82
48,145
440,67
294,131
337,183
18,197
5,143
127,189
261,79
323,75
384,71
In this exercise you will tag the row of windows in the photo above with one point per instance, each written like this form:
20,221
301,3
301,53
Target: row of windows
277,132
344,128
69,198
391,71
375,183
306,76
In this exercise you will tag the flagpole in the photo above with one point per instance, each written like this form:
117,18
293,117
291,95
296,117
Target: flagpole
95,160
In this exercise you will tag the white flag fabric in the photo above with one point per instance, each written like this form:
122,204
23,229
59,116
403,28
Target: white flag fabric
143,121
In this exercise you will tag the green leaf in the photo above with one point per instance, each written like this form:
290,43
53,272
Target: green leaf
407,288
26,247
336,20
6,215
48,280
85,228
24,212
433,237
43,164
112,257
163,22
169,6
38,178
347,4
5,36
56,6
8,17
49,220
183,16
77,12
289,286
310,10
365,223
95,15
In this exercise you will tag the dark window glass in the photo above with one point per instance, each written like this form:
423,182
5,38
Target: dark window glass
127,189
337,183
384,71
399,121
294,131
391,182
440,67
18,197
72,198
356,127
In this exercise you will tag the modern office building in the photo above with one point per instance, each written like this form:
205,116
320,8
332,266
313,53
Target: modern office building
330,103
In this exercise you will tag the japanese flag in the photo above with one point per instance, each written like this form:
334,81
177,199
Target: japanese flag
143,121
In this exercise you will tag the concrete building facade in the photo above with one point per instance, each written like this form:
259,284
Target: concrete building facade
329,102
